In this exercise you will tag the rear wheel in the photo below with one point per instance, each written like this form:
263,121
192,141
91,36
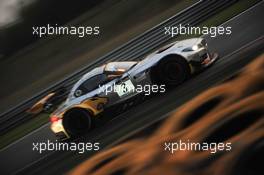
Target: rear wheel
170,71
77,122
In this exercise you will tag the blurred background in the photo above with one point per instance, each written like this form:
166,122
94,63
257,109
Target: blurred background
18,16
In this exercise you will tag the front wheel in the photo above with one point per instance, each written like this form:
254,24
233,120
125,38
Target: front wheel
170,71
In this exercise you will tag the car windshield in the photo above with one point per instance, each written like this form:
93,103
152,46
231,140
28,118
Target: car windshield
90,84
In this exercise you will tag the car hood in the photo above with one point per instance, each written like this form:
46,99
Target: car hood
186,43
152,58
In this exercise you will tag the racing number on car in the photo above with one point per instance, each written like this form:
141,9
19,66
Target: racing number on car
124,88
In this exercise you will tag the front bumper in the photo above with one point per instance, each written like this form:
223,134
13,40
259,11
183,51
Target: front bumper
209,60
202,59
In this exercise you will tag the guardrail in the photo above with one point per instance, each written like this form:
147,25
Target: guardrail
135,48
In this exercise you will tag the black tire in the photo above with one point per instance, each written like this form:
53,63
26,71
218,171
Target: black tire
170,71
77,122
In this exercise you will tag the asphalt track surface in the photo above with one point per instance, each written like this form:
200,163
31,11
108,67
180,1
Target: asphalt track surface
246,28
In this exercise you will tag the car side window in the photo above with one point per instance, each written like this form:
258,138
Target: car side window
90,84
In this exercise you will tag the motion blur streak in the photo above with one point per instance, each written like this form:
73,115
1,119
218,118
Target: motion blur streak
230,112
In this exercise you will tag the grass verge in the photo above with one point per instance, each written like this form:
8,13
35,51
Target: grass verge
23,129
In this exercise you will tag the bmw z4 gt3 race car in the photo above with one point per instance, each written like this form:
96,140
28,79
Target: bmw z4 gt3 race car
114,84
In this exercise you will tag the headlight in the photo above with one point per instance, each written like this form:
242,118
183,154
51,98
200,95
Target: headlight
193,48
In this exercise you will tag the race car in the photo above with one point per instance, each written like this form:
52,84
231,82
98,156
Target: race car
113,84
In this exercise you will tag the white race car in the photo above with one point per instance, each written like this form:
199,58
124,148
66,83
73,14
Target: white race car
97,90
